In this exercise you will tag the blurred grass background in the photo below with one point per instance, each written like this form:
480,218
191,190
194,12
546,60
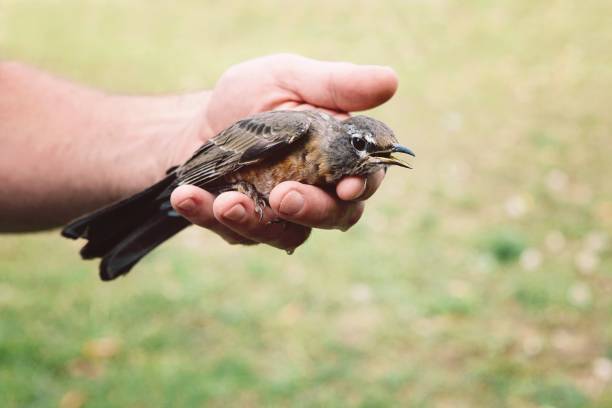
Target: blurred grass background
481,278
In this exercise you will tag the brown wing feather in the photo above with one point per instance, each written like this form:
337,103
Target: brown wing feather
246,142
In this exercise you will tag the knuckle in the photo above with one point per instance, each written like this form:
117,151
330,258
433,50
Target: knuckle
255,230
322,211
353,217
331,215
200,221
203,220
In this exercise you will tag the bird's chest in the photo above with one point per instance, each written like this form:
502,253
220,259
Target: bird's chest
305,164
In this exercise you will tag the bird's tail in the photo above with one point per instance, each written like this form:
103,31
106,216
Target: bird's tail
122,233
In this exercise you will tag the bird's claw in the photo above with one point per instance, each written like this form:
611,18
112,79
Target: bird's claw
260,205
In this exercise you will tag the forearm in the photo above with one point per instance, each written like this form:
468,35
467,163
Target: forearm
67,149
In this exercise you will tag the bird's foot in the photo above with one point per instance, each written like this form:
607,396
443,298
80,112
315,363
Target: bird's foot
260,206
259,199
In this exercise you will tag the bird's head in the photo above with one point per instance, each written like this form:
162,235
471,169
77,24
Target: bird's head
367,145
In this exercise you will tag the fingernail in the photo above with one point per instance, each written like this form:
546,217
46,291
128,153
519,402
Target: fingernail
363,188
236,213
187,206
291,203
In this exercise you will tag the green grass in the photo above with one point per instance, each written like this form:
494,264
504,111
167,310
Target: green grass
469,282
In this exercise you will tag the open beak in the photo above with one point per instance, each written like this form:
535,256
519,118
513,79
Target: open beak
398,148
394,161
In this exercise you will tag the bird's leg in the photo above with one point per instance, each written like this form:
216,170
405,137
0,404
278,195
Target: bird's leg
260,200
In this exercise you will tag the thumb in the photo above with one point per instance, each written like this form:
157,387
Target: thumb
340,86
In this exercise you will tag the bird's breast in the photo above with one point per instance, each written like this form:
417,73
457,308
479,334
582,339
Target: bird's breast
304,163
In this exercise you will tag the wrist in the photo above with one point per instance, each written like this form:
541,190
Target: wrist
156,133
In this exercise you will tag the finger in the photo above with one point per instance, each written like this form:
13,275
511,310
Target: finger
310,206
351,188
237,212
196,205
357,188
340,86
373,182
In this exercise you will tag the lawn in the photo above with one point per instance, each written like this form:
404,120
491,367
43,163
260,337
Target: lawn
482,278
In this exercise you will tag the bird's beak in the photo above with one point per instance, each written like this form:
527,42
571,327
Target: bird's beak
394,161
398,148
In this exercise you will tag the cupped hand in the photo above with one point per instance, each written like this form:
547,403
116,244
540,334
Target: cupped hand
286,82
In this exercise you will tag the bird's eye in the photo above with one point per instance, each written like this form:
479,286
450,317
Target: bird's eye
358,143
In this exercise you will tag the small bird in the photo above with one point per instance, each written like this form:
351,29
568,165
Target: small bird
251,156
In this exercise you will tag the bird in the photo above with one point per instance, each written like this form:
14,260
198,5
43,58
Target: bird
251,156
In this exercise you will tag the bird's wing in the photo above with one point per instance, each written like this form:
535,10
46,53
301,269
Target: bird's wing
246,142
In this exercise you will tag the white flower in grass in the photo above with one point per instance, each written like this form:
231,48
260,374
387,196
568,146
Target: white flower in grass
579,294
586,261
532,345
516,206
361,293
596,241
602,369
556,181
531,259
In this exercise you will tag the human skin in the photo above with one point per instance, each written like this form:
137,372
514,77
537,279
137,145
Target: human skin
68,149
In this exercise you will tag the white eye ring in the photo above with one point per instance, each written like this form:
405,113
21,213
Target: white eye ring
358,143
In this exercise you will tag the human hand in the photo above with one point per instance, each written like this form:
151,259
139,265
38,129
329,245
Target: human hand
286,82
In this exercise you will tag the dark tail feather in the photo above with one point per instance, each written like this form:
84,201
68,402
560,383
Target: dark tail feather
140,242
124,232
